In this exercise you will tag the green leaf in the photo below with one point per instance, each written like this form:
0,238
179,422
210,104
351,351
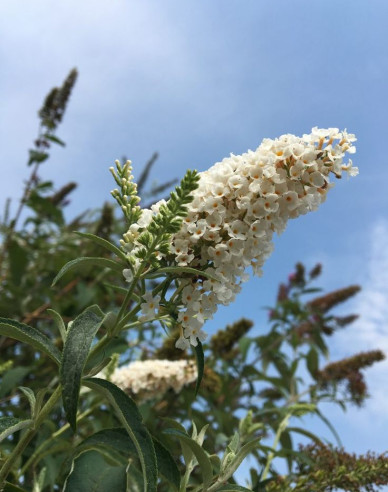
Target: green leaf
36,156
201,455
75,353
118,439
312,361
166,464
330,426
286,444
244,451
59,322
179,270
174,424
32,336
9,425
12,488
39,482
54,139
200,364
186,451
75,264
244,344
12,378
18,260
91,472
306,433
29,394
130,417
233,488
300,409
104,243
44,208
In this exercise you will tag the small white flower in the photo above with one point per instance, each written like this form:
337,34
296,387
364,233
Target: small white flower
291,199
316,179
182,343
238,229
150,307
128,274
270,202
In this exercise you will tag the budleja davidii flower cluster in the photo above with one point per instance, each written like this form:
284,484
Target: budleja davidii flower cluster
152,378
238,205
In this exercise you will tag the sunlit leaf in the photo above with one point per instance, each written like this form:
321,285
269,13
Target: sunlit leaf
177,271
83,261
104,243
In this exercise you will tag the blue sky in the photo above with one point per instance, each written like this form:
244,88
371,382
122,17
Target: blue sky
196,80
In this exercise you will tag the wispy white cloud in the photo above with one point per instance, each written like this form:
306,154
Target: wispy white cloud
371,330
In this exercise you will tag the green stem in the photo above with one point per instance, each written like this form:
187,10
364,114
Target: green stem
282,426
186,477
24,441
128,295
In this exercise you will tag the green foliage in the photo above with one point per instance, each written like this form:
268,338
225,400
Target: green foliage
30,335
131,419
75,353
9,425
92,471
200,364
120,440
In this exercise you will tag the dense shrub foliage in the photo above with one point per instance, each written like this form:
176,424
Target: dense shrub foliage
107,379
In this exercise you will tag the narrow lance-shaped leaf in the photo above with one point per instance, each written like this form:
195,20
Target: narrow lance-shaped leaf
12,378
54,139
200,364
75,264
9,425
240,456
178,270
312,362
29,394
329,425
306,433
59,323
30,335
233,488
286,444
104,243
166,464
186,451
9,487
130,417
200,454
75,353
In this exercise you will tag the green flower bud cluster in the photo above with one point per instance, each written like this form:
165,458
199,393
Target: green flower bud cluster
126,195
